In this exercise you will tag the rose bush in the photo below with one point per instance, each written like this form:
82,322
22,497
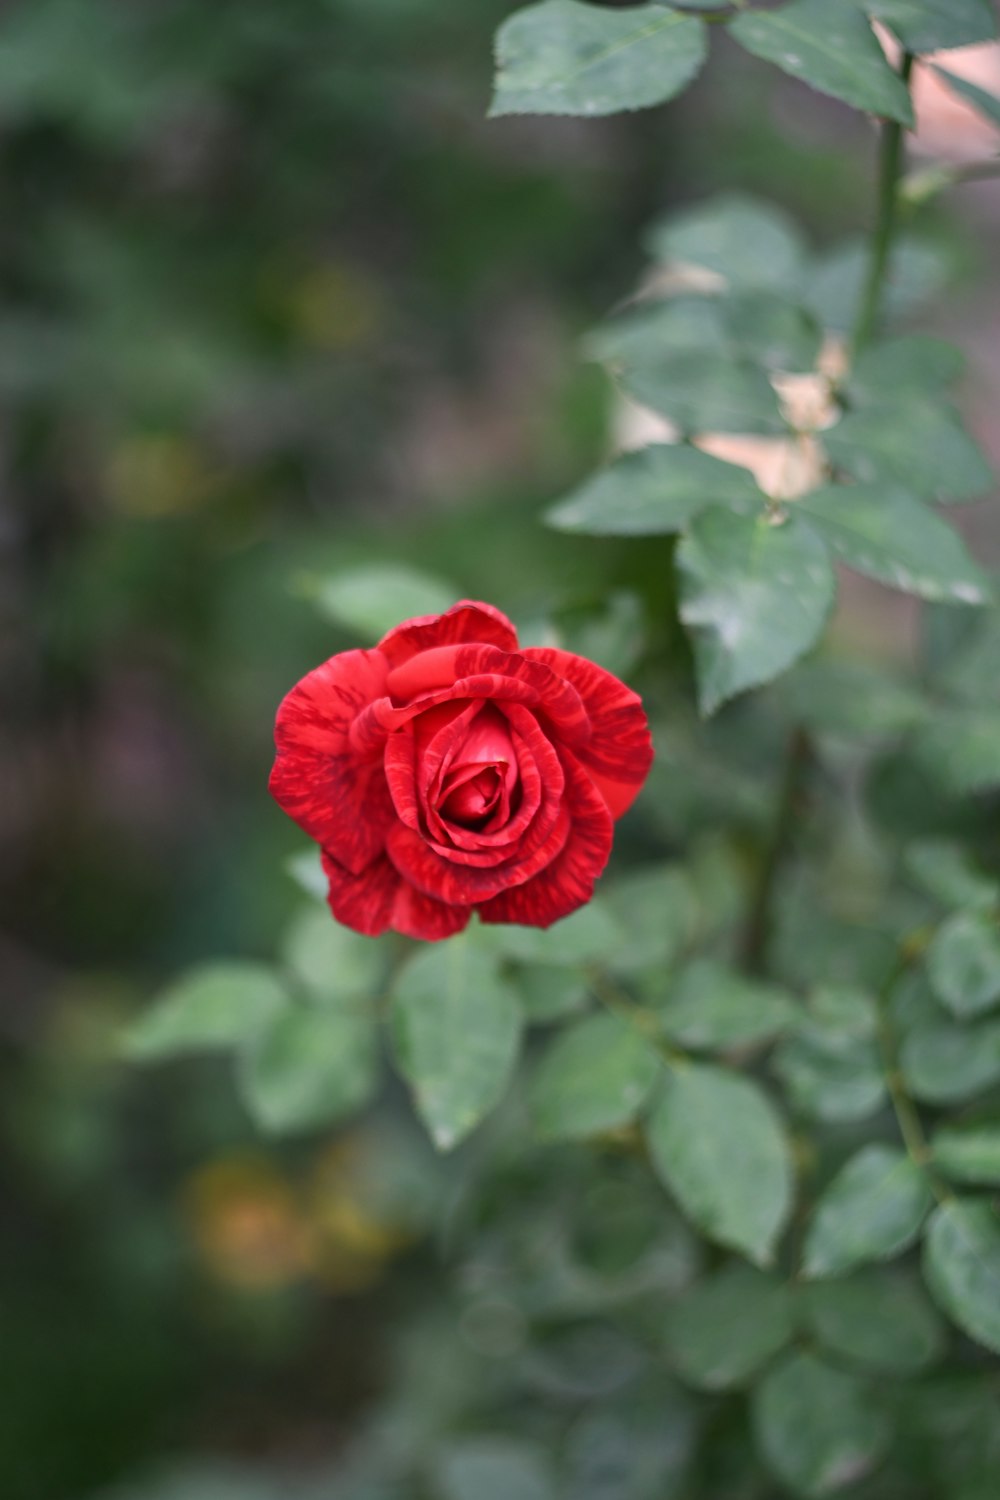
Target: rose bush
447,771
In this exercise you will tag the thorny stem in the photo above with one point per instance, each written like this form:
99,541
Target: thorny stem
760,918
890,167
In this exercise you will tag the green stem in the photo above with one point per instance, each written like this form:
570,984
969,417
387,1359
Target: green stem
757,932
907,1115
890,167
636,1017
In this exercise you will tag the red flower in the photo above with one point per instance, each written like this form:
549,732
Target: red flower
447,772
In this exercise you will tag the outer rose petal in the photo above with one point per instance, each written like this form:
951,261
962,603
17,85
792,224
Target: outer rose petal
568,882
463,884
620,750
337,796
379,898
466,621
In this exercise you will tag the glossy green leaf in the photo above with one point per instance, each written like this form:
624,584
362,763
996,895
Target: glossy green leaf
656,489
211,1008
492,1468
456,1027
595,1076
754,596
704,391
817,1427
723,1329
750,243
309,1067
370,600
565,58
718,1144
829,45
962,1266
933,25
913,364
946,1064
968,1153
872,1210
987,104
883,532
917,444
878,1318
959,748
333,963
945,871
963,962
712,1006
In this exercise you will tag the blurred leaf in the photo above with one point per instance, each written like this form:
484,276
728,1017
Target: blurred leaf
749,242
654,908
817,1427
931,25
564,58
614,636
946,872
306,869
877,1318
963,962
960,749
548,993
834,286
851,698
656,489
493,1468
962,1266
719,1147
456,1027
945,1064
830,46
711,1005
370,601
916,443
702,391
968,1153
986,103
595,1076
883,532
910,365
754,597
332,962
724,1328
772,331
652,325
586,936
871,1210
309,1067
212,1008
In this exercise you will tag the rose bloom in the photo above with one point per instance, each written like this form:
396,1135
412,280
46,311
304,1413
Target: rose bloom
447,772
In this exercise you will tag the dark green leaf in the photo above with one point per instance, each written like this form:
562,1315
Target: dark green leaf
216,1007
871,1210
595,1076
656,489
311,1066
749,243
369,601
830,46
718,1144
946,872
723,1329
877,1318
964,963
960,749
933,25
962,1266
772,331
564,58
817,1428
970,1153
713,1006
755,596
701,391
946,1064
912,365
986,103
918,444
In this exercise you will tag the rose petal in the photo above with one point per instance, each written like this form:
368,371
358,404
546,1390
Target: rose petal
455,880
378,899
468,620
619,753
336,795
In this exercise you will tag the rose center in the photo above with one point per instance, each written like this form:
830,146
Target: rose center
472,794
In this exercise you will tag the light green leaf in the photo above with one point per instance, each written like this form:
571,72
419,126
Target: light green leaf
962,1267
969,1153
654,490
654,907
754,596
492,1468
946,872
920,445
723,1329
370,600
773,332
877,1318
963,962
212,1008
749,243
548,993
648,327
849,698
589,935
835,281
960,749
309,1067
306,869
986,103
883,532
713,1006
830,46
946,1064
817,1428
333,963
703,391
913,364
595,1076
718,1145
456,1026
872,1210
563,58
933,25
830,1074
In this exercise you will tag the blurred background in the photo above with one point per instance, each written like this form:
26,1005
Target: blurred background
278,303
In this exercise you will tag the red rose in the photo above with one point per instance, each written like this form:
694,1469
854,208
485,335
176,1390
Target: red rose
447,772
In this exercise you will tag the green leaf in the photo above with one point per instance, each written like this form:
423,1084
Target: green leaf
723,1329
719,1146
704,391
712,1006
369,601
750,243
830,1074
772,331
563,58
548,993
595,1076
754,596
911,365
959,748
878,1318
946,872
817,1428
963,962
333,963
946,1064
212,1008
835,282
306,869
970,1153
986,103
883,532
654,907
962,1267
872,1210
310,1067
456,1027
492,1468
654,490
830,46
652,325
849,698
587,936
933,25
920,445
